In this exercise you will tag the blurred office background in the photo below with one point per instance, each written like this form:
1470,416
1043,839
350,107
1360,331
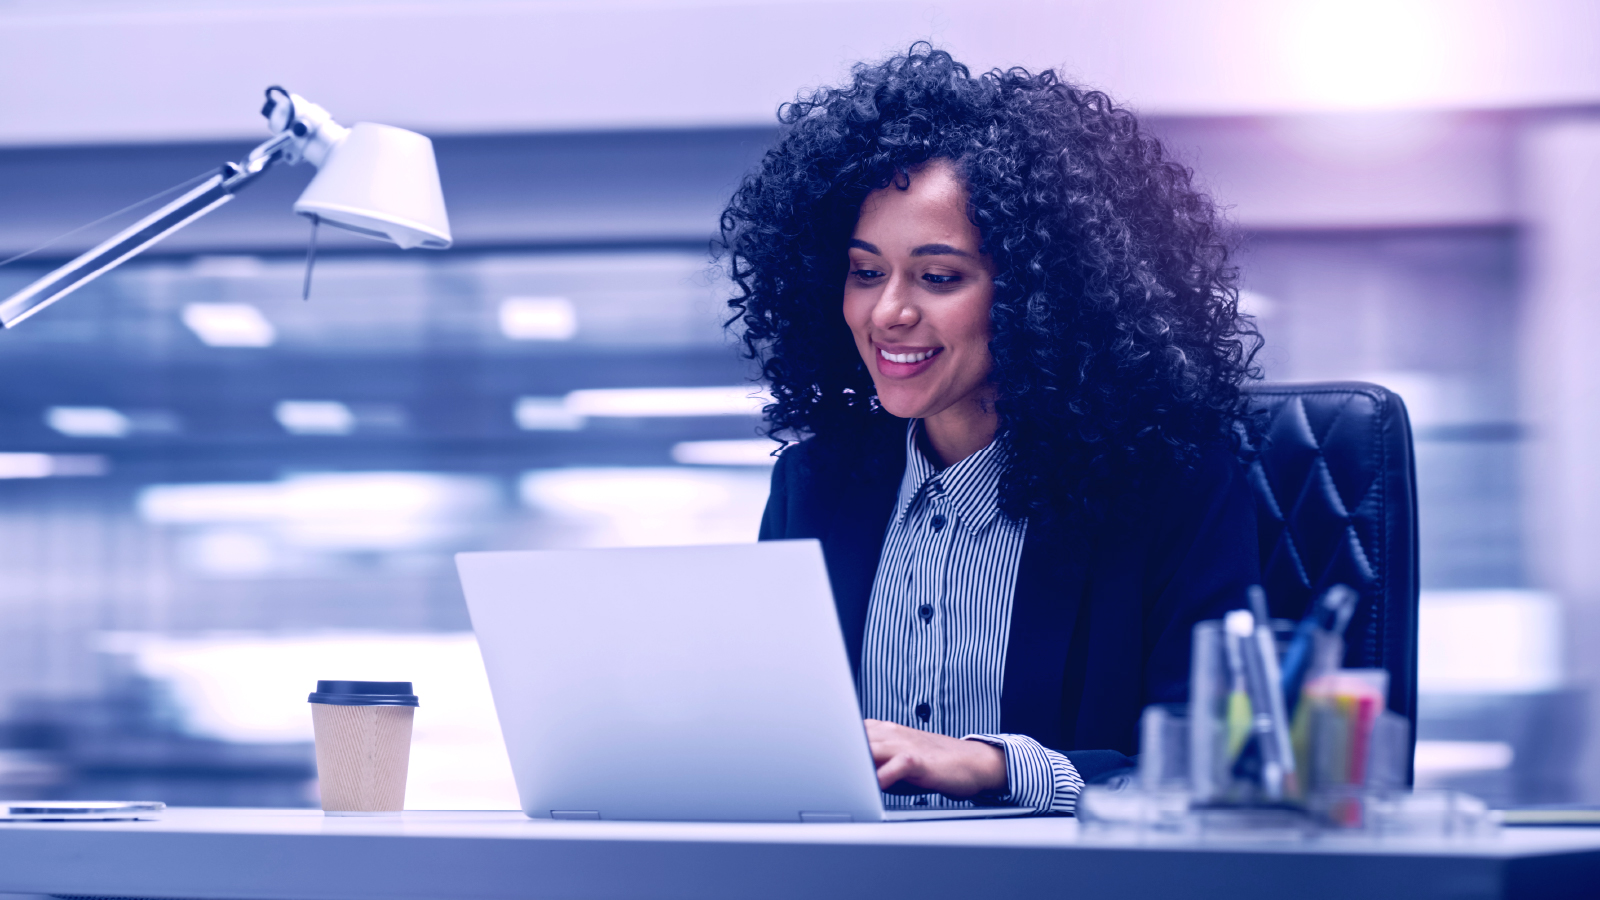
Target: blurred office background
213,493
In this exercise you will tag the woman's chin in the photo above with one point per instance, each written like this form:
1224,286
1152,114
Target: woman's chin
896,404
903,407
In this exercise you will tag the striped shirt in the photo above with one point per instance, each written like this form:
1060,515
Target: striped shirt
934,653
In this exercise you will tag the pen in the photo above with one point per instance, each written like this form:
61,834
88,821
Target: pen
1256,596
1269,721
1329,615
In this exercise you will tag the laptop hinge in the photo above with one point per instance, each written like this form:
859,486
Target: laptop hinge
574,814
825,817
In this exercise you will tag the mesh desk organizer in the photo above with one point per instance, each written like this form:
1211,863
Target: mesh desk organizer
1301,708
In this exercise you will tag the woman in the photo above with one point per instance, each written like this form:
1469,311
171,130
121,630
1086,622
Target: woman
1004,328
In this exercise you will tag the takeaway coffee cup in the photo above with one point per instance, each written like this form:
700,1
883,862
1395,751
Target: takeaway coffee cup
363,733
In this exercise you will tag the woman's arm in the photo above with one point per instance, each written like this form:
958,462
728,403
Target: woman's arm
998,769
951,766
1037,777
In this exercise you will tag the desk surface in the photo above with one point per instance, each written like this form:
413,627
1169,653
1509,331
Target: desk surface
303,855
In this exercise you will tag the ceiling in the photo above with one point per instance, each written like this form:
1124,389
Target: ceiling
115,71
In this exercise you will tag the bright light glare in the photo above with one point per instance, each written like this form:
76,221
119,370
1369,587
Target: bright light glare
329,417
725,453
44,465
26,465
227,266
88,421
647,506
1440,759
358,510
545,414
231,552
229,325
1491,641
248,687
736,400
311,496
538,319
1256,304
1370,53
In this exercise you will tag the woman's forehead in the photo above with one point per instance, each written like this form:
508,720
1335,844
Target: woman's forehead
930,209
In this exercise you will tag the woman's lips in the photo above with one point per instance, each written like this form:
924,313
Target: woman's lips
906,363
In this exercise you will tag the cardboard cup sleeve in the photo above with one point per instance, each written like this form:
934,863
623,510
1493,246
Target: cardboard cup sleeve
363,734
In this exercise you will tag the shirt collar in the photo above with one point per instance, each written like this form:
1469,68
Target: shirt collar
971,486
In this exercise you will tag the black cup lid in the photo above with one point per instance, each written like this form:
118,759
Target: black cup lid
364,693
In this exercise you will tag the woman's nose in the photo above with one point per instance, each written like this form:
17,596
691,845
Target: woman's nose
895,305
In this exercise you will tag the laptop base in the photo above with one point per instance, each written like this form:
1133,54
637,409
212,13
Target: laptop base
934,815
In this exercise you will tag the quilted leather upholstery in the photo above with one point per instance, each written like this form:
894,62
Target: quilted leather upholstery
1336,500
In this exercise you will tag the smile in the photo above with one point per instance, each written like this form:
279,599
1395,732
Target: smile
907,357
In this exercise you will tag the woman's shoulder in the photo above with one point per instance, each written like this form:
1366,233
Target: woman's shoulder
1210,490
868,452
1212,469
1161,494
1219,461
825,477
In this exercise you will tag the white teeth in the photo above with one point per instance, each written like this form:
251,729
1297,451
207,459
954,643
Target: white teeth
905,357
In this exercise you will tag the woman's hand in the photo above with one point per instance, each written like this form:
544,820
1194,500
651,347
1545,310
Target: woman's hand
951,766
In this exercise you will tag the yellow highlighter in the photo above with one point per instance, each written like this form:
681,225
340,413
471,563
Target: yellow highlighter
1240,714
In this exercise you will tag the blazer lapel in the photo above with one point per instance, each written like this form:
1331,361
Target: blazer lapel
853,544
1044,615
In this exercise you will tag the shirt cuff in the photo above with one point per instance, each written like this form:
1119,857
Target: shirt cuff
1036,776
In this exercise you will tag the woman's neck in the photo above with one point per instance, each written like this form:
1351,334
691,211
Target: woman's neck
954,434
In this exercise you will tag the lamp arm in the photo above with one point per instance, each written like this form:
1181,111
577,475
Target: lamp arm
215,191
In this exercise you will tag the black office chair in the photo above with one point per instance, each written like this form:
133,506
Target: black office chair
1336,502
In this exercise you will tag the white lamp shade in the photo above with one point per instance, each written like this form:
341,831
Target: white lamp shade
382,182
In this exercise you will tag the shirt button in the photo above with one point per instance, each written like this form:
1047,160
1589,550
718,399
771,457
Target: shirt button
937,522
925,612
924,711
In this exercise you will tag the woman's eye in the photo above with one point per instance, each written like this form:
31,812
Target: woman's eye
933,278
866,274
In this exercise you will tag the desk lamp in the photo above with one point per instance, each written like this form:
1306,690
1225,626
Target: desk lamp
375,180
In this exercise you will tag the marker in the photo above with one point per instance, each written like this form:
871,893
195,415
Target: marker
1238,716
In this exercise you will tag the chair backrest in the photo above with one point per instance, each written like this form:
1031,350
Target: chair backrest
1336,502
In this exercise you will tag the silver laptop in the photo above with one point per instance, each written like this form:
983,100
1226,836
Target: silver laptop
676,683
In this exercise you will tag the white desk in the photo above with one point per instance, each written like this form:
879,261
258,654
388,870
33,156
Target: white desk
302,855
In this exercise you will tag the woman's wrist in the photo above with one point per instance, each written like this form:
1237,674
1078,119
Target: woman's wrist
988,765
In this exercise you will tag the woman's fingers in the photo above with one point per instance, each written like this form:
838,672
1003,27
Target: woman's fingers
882,738
893,752
896,769
933,761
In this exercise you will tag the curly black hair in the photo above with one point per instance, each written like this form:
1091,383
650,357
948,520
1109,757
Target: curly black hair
1118,345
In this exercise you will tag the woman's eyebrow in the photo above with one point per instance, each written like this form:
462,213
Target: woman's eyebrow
940,250
863,245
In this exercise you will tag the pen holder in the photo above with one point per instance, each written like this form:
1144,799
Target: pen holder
1241,759
1233,758
1164,748
1210,690
1343,739
1353,763
1348,745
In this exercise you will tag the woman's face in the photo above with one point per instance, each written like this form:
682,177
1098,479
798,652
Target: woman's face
917,298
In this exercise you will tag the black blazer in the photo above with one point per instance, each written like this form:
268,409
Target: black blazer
1101,617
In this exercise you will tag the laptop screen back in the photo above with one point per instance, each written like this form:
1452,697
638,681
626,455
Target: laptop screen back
677,683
